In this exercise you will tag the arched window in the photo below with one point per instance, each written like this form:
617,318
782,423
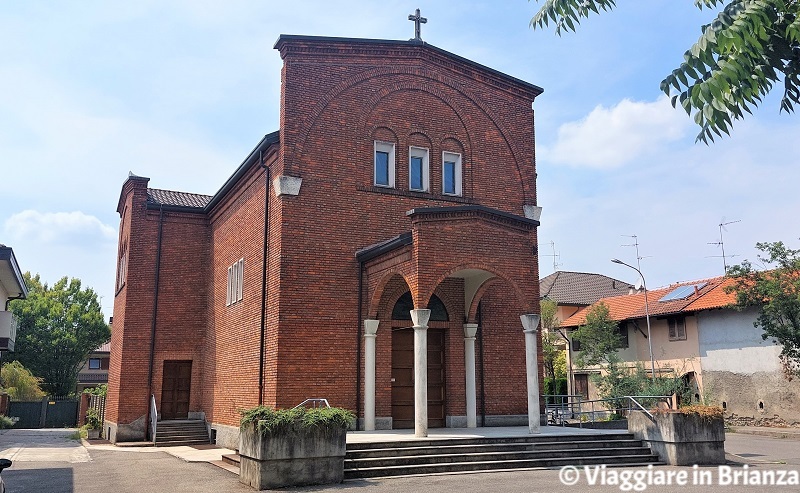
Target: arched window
404,305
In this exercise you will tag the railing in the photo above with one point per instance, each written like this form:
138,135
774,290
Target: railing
572,409
314,403
153,417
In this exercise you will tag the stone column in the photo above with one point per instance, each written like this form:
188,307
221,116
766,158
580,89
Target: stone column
530,324
469,370
370,331
420,319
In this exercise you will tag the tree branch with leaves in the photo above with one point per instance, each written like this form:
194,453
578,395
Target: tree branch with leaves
739,57
775,291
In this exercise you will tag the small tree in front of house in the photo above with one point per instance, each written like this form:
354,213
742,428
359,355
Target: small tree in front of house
20,383
599,338
776,293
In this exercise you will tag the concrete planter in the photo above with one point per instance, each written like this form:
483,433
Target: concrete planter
291,458
681,439
92,434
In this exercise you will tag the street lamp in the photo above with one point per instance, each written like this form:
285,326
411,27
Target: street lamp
646,314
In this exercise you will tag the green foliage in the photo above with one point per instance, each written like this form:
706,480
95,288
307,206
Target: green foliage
620,380
93,421
299,419
736,61
5,422
20,383
58,327
776,292
555,362
101,390
555,387
599,337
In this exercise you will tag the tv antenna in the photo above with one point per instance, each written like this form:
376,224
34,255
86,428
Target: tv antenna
721,242
639,258
556,256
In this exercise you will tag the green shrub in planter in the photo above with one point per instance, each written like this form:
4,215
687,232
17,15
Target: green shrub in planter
292,447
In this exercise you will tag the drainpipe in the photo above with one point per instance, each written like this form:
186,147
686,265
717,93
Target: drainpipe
262,351
358,339
18,297
155,312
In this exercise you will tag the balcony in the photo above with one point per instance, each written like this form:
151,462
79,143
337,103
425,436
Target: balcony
8,331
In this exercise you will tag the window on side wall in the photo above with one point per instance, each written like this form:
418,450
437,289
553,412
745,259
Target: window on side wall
677,328
383,167
235,291
94,363
418,169
451,173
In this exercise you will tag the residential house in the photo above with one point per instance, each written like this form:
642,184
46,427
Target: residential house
12,287
699,336
572,292
94,371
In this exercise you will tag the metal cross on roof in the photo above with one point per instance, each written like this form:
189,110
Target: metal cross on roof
418,21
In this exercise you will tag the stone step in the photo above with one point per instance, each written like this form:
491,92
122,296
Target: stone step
455,467
493,456
495,447
492,440
181,432
232,459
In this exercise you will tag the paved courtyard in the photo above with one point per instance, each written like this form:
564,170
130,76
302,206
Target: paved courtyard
51,461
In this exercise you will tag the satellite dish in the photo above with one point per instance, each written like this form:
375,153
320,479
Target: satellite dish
639,283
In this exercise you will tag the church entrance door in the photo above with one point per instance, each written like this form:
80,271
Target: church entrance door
176,389
403,378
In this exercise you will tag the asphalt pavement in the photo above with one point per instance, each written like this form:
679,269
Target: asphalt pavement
51,461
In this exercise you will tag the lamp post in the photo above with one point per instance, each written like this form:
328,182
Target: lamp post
646,314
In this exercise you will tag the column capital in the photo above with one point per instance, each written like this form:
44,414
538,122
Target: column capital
420,317
470,330
530,322
370,327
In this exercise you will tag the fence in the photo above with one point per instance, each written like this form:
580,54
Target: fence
50,412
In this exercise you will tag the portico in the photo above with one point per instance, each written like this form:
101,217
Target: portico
429,279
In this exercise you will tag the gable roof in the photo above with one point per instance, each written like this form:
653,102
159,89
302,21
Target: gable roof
708,296
411,48
580,288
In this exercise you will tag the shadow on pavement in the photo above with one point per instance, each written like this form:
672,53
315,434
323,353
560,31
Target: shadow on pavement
49,480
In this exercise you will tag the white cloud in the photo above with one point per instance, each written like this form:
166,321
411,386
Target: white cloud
612,137
58,227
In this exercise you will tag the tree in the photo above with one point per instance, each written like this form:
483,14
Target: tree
551,350
599,338
739,56
776,292
58,327
20,383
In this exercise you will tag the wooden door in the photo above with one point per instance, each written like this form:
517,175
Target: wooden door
403,378
176,389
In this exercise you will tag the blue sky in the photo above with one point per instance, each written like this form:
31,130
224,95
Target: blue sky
181,91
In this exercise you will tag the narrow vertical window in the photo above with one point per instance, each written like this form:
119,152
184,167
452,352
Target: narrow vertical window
384,164
235,283
451,173
418,169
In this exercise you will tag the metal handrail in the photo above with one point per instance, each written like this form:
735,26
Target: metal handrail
153,417
316,402
561,413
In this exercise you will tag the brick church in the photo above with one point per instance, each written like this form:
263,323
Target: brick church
379,250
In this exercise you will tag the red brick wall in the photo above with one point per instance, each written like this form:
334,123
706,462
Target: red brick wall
335,102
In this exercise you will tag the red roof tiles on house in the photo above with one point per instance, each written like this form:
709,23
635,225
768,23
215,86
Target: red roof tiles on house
710,295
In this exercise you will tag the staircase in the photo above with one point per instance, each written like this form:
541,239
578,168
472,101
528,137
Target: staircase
382,459
181,432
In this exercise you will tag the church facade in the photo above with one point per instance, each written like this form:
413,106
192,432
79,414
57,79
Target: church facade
378,251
